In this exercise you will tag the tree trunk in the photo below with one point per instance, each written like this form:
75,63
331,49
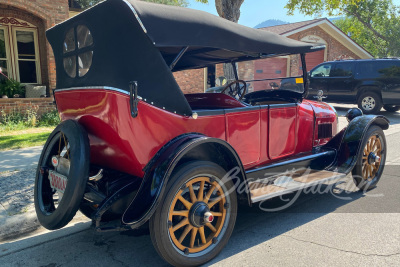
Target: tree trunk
230,10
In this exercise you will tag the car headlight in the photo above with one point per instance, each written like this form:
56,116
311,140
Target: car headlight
353,113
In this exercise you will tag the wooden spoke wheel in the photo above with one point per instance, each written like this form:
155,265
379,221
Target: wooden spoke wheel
371,159
196,216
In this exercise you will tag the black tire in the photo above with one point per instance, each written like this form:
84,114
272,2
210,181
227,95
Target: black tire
361,178
52,213
391,108
369,102
160,225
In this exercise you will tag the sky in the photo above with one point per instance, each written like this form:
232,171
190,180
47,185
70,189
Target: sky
253,12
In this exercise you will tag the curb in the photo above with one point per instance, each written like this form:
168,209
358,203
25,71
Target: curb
18,225
21,225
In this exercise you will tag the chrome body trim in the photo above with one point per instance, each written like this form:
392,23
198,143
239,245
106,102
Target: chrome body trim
95,88
136,15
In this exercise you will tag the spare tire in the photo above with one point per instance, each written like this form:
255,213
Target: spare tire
62,174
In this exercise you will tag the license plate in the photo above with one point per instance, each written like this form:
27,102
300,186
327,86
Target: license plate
58,181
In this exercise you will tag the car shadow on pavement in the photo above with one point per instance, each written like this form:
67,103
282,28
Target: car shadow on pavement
253,227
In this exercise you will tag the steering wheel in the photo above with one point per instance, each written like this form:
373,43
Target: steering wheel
236,91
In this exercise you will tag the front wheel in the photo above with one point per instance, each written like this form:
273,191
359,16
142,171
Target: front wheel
196,216
371,160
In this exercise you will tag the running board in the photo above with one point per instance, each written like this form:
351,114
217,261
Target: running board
288,183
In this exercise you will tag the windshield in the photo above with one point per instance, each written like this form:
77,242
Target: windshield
278,73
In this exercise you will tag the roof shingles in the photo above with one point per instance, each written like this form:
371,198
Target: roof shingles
285,28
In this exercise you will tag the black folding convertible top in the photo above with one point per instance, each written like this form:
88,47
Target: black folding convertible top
138,41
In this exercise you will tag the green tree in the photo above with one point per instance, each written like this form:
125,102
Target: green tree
380,20
361,35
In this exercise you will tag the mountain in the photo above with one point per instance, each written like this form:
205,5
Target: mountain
270,22
337,18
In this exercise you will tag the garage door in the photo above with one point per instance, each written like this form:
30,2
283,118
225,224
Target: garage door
314,58
269,68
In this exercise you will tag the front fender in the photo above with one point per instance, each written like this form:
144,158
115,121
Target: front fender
348,141
158,171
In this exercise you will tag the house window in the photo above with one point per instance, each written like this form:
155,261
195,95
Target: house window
4,61
19,51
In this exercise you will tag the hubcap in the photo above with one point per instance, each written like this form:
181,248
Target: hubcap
368,103
197,215
372,156
208,217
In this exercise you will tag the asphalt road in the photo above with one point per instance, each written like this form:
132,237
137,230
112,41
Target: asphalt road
336,228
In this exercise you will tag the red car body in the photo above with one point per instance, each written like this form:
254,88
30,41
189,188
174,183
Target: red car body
260,136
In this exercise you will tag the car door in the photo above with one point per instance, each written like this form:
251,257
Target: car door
319,78
341,82
282,136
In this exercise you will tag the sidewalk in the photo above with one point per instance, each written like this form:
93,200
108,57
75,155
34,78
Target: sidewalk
17,179
20,159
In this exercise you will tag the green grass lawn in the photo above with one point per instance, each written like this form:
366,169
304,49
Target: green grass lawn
24,138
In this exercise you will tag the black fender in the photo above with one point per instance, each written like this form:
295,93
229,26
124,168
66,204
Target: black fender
191,146
348,141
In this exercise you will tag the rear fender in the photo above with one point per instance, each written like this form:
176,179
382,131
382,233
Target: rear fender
183,148
348,141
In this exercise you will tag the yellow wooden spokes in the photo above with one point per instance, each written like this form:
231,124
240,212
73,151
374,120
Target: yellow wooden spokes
186,203
192,195
185,232
209,193
201,191
184,213
369,170
186,235
193,237
202,235
181,224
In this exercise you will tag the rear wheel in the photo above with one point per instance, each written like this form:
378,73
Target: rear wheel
391,108
196,216
371,161
62,175
369,102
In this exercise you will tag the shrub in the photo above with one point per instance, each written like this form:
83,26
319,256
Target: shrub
49,119
10,87
16,120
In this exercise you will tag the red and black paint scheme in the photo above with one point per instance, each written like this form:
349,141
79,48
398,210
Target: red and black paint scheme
128,132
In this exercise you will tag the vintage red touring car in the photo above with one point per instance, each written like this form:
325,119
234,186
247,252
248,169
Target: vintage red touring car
132,148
